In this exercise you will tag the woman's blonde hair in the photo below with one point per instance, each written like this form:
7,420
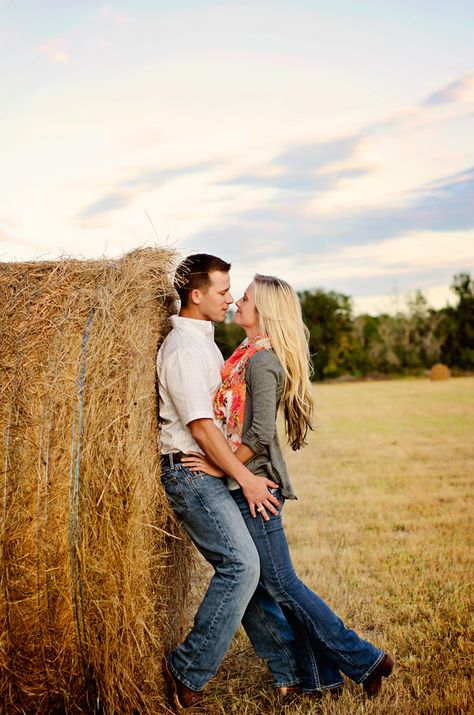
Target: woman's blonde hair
280,319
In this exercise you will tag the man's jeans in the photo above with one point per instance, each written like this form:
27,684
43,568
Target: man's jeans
215,524
322,639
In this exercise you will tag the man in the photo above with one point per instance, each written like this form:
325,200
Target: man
188,366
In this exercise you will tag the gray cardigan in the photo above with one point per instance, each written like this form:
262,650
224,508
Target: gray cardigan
265,380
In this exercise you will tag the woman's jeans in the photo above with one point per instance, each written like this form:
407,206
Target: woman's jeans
323,645
215,525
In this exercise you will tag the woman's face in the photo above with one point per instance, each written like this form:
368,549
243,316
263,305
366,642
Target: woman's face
246,315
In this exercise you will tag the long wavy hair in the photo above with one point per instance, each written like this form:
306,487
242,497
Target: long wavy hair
280,319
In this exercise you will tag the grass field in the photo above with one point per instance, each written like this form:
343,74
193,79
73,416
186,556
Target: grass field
383,531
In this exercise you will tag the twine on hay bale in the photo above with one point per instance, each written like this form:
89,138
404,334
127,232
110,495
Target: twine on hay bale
440,372
94,568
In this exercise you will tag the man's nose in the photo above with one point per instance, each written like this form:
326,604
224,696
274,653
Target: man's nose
229,299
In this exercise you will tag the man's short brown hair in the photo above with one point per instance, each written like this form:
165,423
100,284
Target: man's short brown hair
193,273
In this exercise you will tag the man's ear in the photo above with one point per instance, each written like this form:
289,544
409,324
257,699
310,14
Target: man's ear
195,296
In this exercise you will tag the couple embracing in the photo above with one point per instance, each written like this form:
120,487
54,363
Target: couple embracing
226,479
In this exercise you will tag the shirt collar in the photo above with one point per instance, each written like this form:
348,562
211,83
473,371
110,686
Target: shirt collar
202,327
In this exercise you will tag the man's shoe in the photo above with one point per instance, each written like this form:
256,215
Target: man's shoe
373,683
285,691
181,696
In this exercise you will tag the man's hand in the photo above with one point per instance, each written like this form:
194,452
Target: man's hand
255,489
259,498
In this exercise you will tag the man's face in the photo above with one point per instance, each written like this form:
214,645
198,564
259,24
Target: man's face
215,302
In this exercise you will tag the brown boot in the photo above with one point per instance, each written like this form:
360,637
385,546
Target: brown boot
286,691
373,683
181,696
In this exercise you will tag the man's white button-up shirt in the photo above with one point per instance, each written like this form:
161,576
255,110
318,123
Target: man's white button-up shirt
189,367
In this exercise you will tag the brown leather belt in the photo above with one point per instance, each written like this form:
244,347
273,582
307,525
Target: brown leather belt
169,460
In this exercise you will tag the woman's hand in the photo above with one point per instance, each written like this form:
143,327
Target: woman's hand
196,462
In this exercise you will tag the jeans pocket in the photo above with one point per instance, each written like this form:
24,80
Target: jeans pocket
192,476
276,492
174,493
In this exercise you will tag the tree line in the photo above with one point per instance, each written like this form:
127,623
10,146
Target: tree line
365,345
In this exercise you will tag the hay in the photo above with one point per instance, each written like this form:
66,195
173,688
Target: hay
440,372
93,568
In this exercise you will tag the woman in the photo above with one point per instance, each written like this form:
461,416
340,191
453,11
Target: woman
270,369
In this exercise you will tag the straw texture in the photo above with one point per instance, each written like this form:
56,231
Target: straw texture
94,569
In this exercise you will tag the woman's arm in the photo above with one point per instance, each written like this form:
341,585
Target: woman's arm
244,453
262,381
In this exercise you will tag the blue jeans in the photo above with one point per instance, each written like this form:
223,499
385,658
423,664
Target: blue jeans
215,525
322,640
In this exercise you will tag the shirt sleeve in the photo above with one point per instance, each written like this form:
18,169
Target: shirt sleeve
262,382
186,377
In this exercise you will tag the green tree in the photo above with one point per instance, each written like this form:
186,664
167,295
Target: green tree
424,339
328,317
390,344
228,336
458,325
374,338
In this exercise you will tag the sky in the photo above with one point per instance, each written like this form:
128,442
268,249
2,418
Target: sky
330,143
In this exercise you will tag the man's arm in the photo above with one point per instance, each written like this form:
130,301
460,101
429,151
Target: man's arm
213,444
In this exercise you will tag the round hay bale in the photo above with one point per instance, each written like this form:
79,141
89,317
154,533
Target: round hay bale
94,566
440,372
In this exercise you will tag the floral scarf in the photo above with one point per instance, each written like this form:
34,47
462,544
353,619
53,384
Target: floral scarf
229,400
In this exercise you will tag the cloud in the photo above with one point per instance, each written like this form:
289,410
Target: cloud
451,180
395,120
15,248
314,157
456,91
412,252
444,206
448,205
156,177
109,202
55,50
438,296
384,268
108,12
422,115
312,169
6,222
7,236
123,192
305,167
4,236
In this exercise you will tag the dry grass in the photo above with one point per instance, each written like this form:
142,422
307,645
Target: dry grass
383,530
91,584
92,569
